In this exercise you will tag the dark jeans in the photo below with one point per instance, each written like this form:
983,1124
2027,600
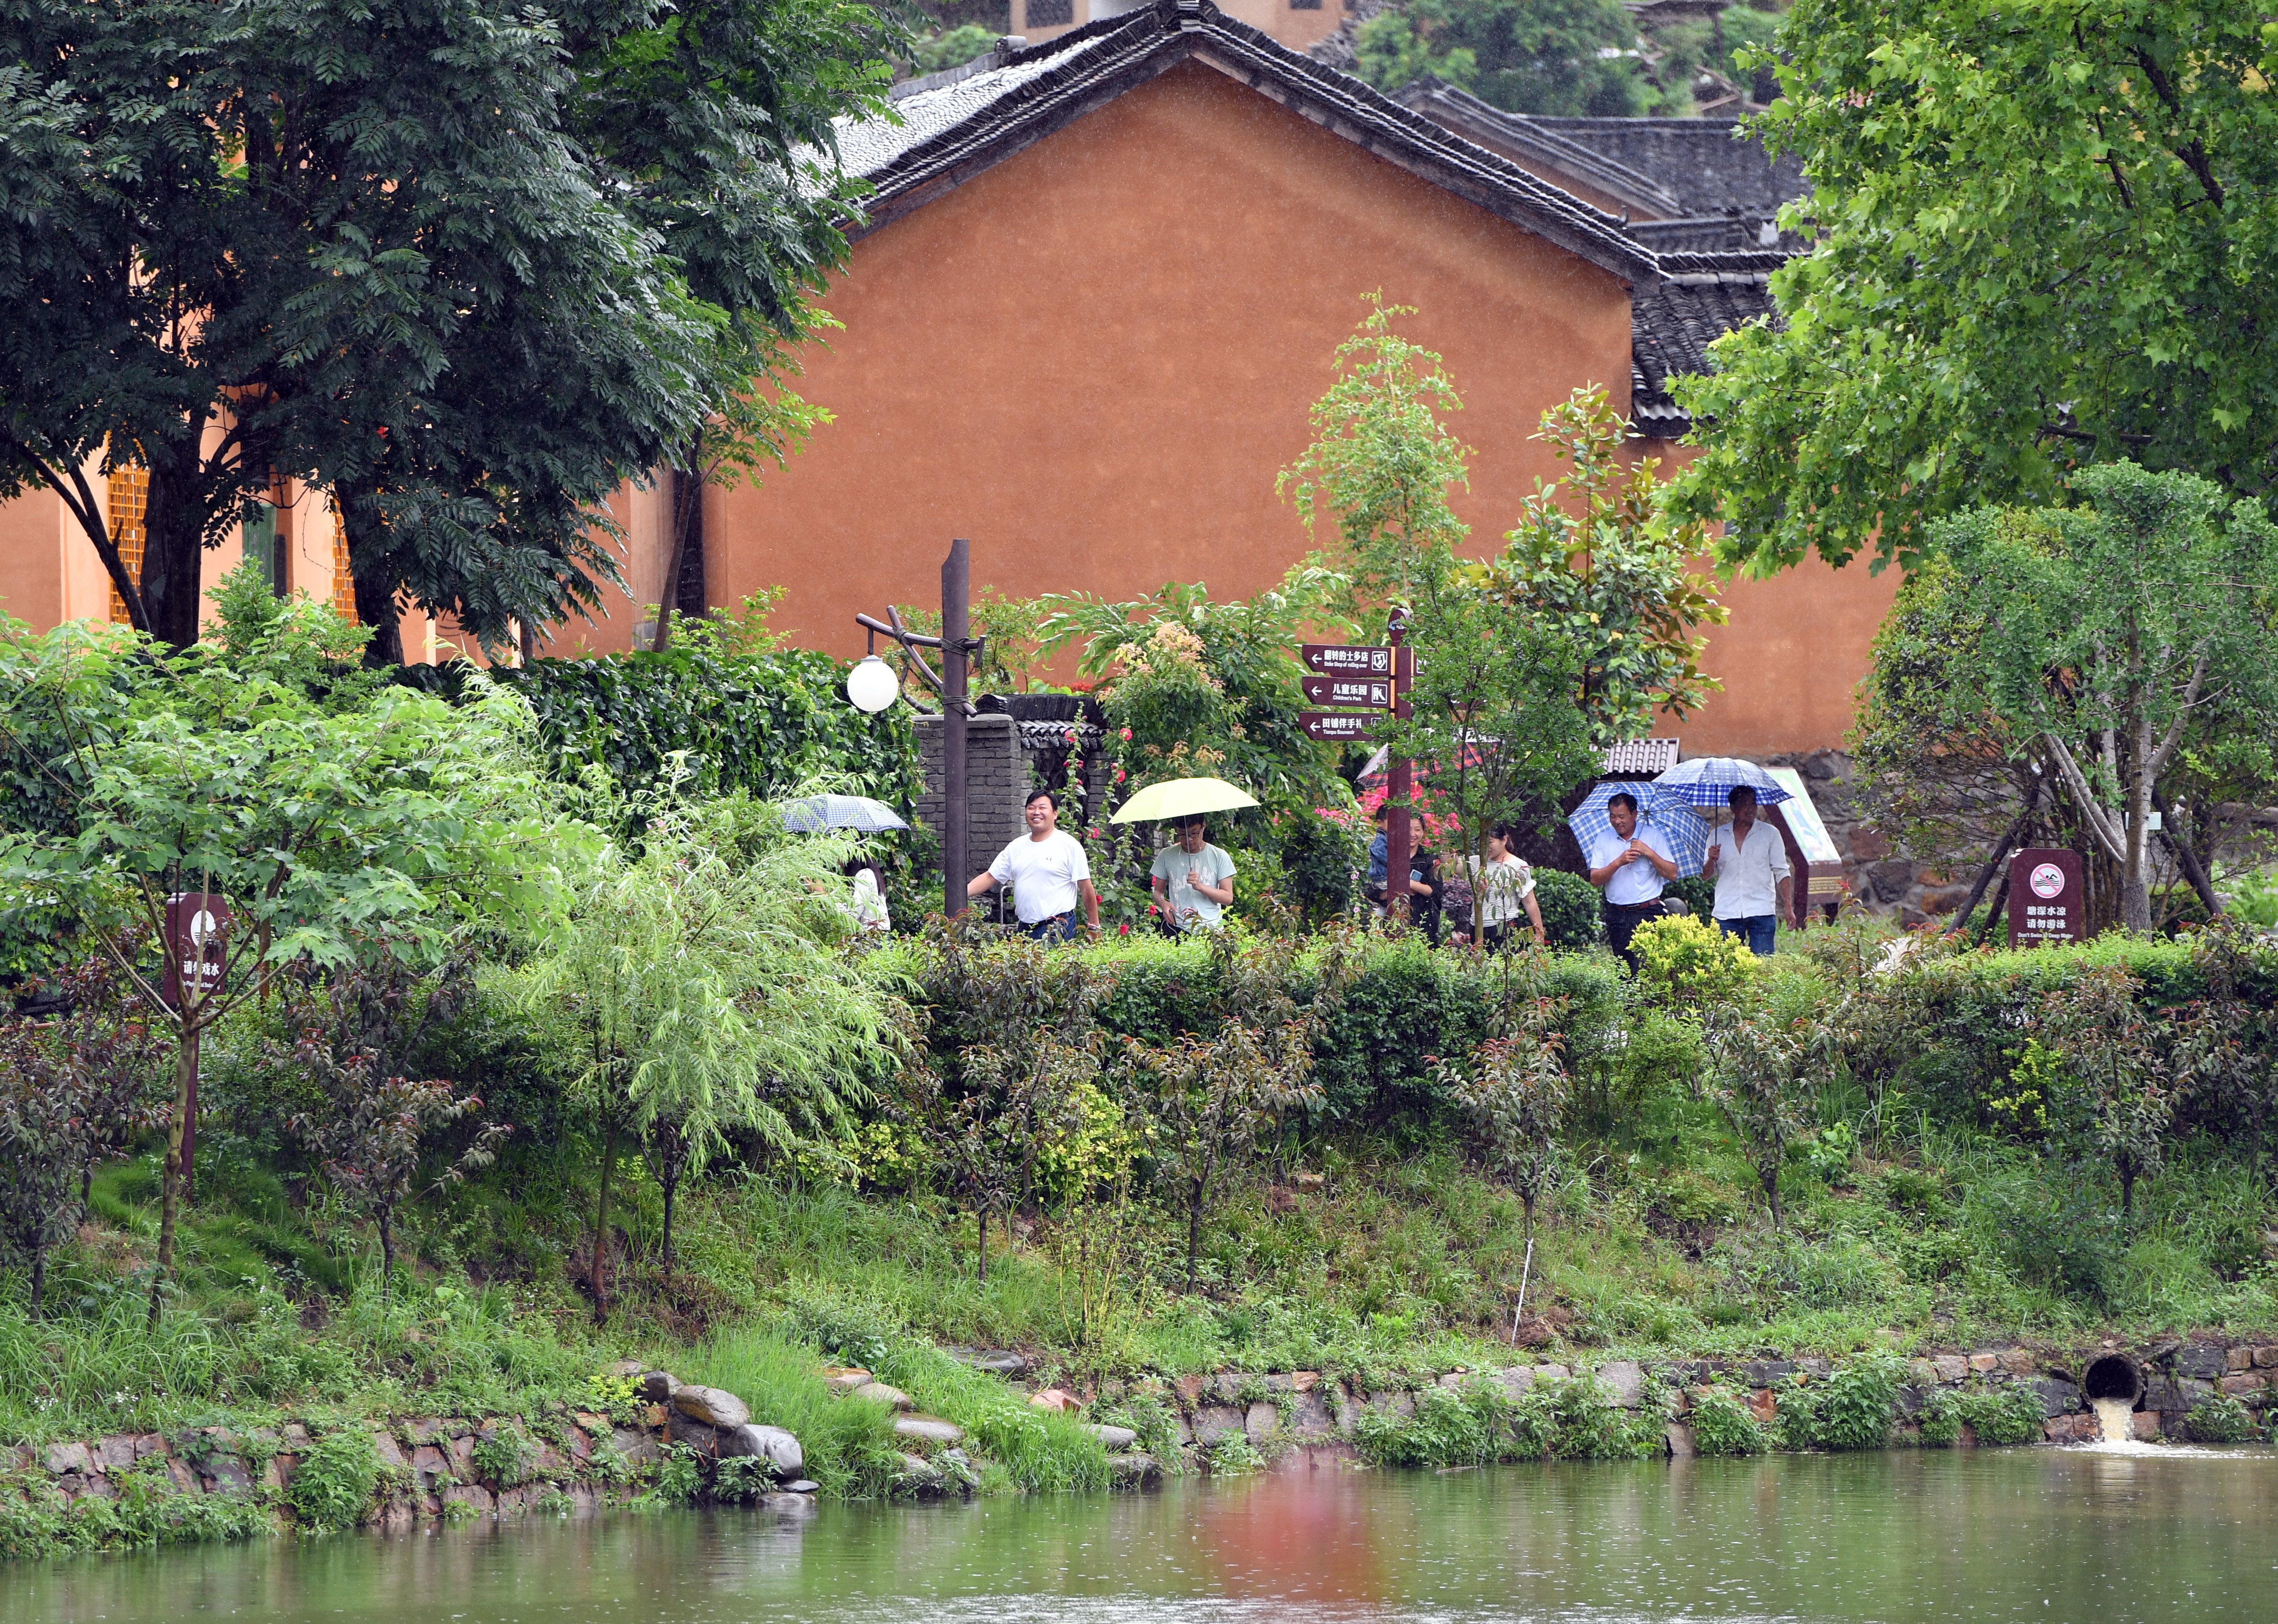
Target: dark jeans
1761,931
1059,928
1622,920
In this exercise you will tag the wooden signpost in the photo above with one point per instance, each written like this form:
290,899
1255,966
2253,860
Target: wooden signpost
1365,682
2048,900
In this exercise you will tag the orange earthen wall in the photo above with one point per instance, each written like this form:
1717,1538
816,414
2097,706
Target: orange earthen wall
1092,360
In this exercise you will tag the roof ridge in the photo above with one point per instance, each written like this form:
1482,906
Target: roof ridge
1076,64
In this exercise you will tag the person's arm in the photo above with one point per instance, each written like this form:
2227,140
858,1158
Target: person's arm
1090,900
1222,895
1715,851
1662,863
1160,886
1604,872
1534,918
1786,896
980,885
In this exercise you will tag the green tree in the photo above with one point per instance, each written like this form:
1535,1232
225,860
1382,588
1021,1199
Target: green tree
1014,1063
1563,58
698,987
1593,559
1769,1057
1382,462
2108,630
2119,1061
357,1036
329,814
2042,241
1514,1093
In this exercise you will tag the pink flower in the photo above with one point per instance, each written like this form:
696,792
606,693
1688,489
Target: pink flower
1124,929
1127,735
1119,775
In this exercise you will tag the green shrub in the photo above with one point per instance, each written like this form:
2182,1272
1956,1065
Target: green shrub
508,1457
36,1520
1850,1408
2221,1419
1572,916
1997,1416
336,1480
1465,1426
1722,1424
1689,964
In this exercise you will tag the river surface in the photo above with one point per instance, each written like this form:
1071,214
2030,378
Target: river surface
2065,1536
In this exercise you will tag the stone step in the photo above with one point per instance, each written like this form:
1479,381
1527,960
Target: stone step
1114,1439
878,1392
1133,1469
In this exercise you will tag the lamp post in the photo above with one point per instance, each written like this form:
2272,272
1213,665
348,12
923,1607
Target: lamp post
873,685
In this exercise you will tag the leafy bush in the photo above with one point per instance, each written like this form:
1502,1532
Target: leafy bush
1850,1408
2221,1419
147,1509
1685,963
1477,1423
508,1457
336,1480
1572,916
1722,1424
1997,1416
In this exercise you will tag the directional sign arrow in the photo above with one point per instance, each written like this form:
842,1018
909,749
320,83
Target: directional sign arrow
1336,727
1362,693
1345,660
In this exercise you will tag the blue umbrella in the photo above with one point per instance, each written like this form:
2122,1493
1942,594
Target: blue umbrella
1659,809
1710,781
856,812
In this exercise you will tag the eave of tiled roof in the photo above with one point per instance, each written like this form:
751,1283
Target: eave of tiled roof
1699,299
949,133
1482,122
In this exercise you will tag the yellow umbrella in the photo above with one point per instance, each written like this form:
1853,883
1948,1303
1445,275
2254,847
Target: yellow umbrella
1182,798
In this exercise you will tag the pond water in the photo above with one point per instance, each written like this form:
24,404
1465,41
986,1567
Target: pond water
2065,1537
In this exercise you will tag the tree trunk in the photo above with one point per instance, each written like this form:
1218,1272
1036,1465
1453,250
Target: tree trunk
671,1187
1194,1238
1771,1190
601,1229
386,1252
981,1224
185,1071
1526,1205
2127,1188
375,587
2186,859
173,554
39,1276
687,521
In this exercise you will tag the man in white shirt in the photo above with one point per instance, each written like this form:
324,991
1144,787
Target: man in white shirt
1631,865
1048,872
1193,880
1749,861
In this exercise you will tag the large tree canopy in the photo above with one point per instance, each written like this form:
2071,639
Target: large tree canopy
472,263
2048,237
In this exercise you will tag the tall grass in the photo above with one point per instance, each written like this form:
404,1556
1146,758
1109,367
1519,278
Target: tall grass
850,1449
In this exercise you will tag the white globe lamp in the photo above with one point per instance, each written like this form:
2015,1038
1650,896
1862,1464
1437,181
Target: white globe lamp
872,685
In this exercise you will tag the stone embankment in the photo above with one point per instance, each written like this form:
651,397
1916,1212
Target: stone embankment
455,1467
2159,1384
449,1467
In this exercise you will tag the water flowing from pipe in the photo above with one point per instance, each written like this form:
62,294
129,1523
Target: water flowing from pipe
2114,1416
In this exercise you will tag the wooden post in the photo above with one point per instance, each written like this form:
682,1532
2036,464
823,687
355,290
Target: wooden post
956,609
1399,785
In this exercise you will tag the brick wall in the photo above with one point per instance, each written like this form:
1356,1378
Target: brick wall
996,785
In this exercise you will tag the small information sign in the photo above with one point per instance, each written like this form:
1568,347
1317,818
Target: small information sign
1365,692
2047,901
1345,660
1337,726
197,953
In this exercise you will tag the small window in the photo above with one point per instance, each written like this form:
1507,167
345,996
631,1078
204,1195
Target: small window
1051,13
261,546
1304,5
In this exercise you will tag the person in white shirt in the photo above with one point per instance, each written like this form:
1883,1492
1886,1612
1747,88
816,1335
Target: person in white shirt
1048,872
1632,865
1193,880
1505,884
868,905
1749,861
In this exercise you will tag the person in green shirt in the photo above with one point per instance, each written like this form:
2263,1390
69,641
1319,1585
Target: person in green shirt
1193,880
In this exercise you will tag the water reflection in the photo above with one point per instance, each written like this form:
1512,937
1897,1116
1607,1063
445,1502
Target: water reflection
2052,1535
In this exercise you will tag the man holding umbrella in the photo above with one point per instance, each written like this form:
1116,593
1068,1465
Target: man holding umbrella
1193,880
1749,861
1631,864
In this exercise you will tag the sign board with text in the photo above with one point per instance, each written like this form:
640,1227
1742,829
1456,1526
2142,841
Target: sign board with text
1363,693
2048,900
197,950
1345,660
1337,726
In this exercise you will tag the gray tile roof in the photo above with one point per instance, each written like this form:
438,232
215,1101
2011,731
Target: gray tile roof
949,132
1672,322
1490,126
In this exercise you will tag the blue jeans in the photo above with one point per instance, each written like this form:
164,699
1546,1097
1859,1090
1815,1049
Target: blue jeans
1059,928
1759,931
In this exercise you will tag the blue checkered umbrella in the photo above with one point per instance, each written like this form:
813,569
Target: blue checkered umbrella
1710,781
856,812
1659,809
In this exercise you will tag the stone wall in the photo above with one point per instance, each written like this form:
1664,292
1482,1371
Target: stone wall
996,785
1915,892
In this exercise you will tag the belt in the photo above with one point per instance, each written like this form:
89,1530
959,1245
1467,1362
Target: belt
1632,907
